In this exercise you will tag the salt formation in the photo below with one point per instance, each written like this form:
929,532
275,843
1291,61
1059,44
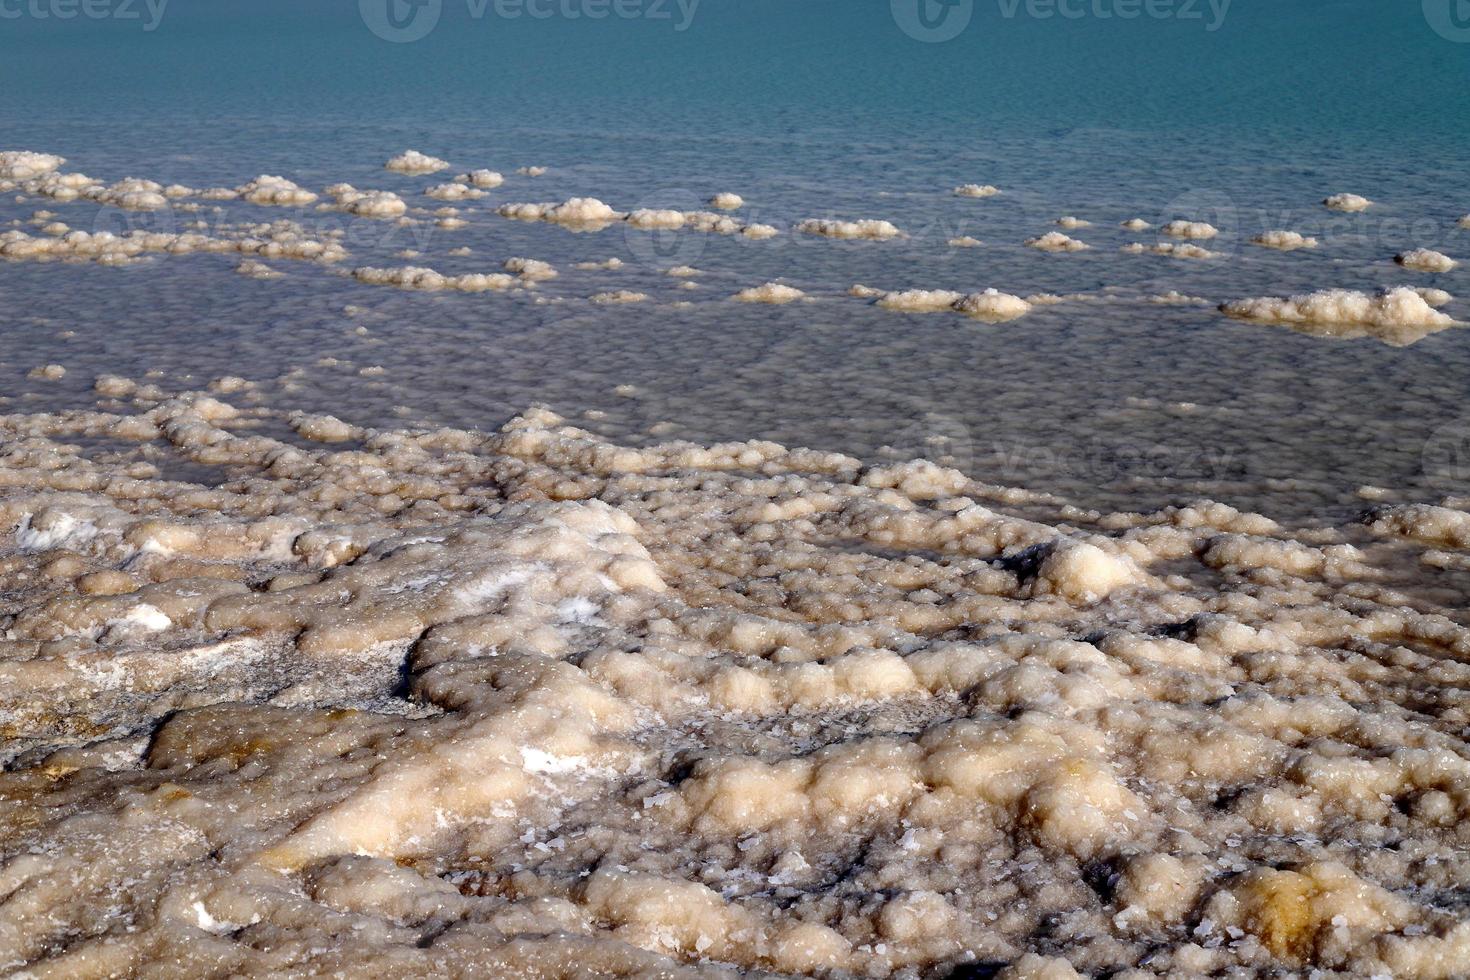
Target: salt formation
991,304
26,164
1284,241
1055,241
976,190
965,241
1189,229
415,164
618,297
367,204
1071,222
278,240
454,192
1426,260
481,179
529,703
1177,250
1137,224
774,293
726,201
576,211
1399,316
531,171
1465,221
531,270
868,228
1347,202
428,280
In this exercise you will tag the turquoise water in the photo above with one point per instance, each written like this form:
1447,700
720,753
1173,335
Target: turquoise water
1245,115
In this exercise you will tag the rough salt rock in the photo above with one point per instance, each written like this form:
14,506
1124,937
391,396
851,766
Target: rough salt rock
774,293
976,190
1347,202
1055,241
1425,260
415,164
869,228
1284,241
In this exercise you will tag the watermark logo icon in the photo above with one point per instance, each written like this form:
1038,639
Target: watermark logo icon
932,21
1446,457
401,21
1449,18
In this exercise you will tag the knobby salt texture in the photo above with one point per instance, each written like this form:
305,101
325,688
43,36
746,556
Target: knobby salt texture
528,703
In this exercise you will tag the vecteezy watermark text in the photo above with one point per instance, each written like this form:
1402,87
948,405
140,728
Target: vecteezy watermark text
149,12
945,20
401,21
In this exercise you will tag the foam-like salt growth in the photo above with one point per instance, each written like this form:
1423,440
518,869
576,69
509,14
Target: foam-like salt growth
618,297
682,271
1137,224
1177,250
252,269
868,228
424,279
531,171
367,204
727,201
1347,202
415,164
965,241
531,270
1071,222
1395,308
278,240
991,304
1425,260
442,702
481,179
454,192
574,211
1189,229
774,293
1284,241
27,164
1055,241
976,190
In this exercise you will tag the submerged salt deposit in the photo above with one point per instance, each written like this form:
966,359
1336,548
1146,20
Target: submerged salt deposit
1400,315
1284,241
1425,260
1055,241
526,702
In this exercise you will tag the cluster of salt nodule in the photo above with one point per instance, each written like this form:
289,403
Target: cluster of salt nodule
277,240
1176,250
428,280
990,304
773,293
589,213
1425,260
1189,229
1055,241
727,201
366,204
266,190
870,229
518,702
976,190
618,297
481,179
1347,202
1399,316
1284,241
415,164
